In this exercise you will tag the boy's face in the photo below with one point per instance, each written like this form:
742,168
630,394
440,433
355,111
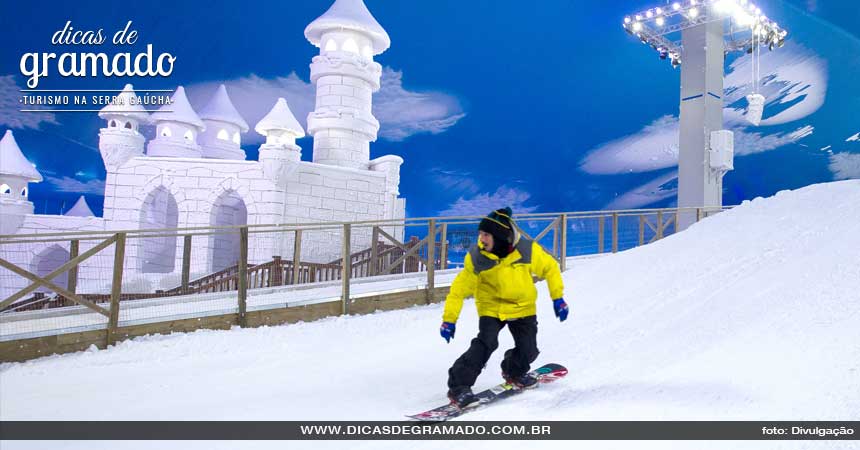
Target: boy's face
486,239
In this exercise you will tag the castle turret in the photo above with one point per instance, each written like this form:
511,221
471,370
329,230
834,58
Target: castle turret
81,209
16,173
121,140
392,207
221,138
177,128
345,76
281,130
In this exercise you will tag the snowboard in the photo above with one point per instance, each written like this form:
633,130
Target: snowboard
544,374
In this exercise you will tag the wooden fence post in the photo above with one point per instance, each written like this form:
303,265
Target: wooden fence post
698,214
74,250
601,233
563,250
277,276
186,262
443,239
614,232
297,256
243,275
659,225
116,288
677,218
431,259
346,268
641,229
374,251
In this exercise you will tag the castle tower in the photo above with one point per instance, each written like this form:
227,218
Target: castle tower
177,128
281,130
16,173
345,76
223,123
121,140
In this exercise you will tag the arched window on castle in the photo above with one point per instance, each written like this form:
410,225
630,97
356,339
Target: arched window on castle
128,125
24,192
350,46
331,46
236,139
189,136
223,135
165,132
5,189
112,124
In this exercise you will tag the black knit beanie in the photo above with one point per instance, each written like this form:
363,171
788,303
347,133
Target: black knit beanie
499,224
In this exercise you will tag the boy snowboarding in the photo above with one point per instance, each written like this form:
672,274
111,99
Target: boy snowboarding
498,273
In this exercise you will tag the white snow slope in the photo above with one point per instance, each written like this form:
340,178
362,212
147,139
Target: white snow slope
751,314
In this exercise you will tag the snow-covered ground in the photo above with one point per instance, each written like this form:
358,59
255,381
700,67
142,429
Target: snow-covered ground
752,314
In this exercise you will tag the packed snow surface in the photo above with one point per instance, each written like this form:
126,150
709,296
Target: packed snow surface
751,314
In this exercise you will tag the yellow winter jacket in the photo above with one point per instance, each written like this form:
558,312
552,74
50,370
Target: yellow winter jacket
503,288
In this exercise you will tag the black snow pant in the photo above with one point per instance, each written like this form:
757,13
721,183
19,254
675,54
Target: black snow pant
466,369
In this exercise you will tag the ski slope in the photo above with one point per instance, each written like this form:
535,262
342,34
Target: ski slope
752,314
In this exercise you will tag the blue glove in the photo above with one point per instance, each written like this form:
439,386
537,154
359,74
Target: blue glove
447,331
560,308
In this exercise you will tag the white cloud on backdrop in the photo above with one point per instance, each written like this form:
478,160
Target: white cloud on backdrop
68,184
10,114
459,182
656,146
481,204
794,75
653,191
401,113
845,166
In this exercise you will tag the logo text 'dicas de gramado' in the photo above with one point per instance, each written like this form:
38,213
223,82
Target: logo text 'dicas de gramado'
38,65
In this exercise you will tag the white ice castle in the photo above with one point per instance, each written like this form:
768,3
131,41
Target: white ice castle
195,173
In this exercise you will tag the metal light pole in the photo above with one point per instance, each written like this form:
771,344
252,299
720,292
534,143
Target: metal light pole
708,30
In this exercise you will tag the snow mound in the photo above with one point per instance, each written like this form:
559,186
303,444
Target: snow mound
752,314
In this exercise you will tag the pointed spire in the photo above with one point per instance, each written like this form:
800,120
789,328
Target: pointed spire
349,15
126,105
179,110
280,118
13,162
81,209
220,108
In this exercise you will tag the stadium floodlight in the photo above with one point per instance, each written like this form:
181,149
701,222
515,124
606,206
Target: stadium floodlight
696,35
741,19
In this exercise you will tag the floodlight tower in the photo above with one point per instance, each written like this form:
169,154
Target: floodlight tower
709,30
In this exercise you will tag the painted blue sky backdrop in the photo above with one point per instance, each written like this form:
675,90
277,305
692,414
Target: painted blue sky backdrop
544,106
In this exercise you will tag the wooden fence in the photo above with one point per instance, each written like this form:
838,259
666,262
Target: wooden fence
386,255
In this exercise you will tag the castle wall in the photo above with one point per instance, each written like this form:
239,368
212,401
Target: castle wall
196,185
93,274
322,193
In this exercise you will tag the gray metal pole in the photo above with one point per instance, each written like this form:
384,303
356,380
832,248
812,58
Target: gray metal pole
701,112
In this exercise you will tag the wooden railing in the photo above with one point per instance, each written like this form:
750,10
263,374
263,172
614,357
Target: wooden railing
386,255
